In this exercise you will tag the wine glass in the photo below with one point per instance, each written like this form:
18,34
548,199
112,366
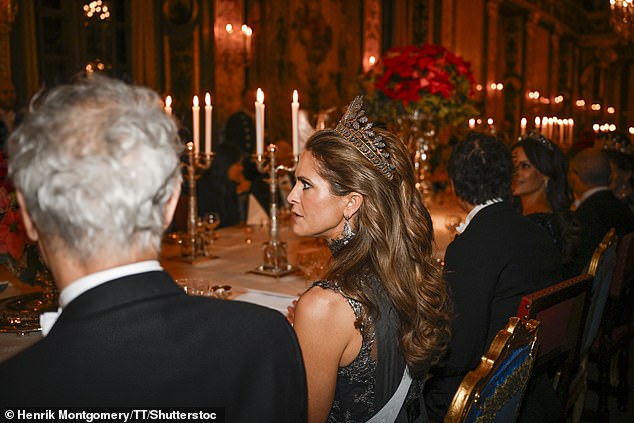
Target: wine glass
210,221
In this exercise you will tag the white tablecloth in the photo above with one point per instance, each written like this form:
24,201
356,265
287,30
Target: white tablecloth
236,257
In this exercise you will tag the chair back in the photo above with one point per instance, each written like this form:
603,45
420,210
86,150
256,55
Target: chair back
601,267
493,391
562,310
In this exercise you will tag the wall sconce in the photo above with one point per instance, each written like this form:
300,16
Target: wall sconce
611,110
595,107
559,99
580,103
247,33
533,95
496,86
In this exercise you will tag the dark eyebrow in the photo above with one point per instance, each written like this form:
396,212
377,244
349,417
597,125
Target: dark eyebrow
305,180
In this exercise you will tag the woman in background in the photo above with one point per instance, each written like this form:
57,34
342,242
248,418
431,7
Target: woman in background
540,181
382,307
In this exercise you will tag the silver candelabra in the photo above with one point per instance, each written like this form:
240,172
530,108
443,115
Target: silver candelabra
275,262
193,245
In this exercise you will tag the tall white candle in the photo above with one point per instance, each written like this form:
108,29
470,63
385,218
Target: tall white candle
472,123
168,105
537,122
259,122
523,125
560,127
571,127
208,108
196,124
295,122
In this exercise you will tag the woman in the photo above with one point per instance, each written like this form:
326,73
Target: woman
540,182
382,306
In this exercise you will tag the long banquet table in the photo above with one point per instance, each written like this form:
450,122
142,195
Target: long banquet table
238,251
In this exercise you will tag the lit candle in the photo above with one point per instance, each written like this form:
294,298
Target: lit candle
208,123
537,122
560,127
490,121
571,129
259,122
523,125
168,105
196,124
295,122
472,123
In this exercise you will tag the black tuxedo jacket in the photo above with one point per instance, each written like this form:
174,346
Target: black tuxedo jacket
500,257
595,216
141,341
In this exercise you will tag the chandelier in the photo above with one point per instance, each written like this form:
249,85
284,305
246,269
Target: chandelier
622,18
97,9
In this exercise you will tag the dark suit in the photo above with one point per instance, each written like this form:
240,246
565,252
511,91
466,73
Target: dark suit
140,341
595,216
500,257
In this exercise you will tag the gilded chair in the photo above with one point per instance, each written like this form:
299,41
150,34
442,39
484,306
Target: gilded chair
562,309
493,391
611,345
601,267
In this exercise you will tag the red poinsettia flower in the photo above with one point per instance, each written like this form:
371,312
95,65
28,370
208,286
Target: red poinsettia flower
12,235
425,78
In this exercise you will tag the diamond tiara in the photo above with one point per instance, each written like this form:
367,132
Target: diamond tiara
540,138
355,127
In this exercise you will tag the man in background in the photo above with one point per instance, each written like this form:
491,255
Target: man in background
597,209
97,173
497,257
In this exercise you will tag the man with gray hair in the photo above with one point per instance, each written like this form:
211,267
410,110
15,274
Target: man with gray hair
597,209
97,173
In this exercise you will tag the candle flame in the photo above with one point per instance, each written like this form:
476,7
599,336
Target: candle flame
260,96
523,122
295,96
168,101
537,121
195,101
208,99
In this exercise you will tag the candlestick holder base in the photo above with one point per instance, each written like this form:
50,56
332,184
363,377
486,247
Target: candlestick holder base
276,273
195,250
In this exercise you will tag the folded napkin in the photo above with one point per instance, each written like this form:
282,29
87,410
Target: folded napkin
272,300
256,215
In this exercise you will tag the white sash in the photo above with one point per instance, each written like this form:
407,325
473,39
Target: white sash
390,410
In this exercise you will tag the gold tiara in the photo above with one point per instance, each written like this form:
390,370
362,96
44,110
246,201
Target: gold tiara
355,127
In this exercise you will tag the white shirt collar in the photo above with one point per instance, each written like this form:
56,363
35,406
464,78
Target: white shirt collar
588,193
461,228
81,285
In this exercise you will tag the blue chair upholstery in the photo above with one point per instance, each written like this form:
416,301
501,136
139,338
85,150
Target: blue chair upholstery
493,391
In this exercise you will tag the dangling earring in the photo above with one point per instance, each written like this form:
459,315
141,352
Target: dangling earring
337,244
347,230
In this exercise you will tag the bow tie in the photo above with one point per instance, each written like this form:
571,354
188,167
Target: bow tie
48,319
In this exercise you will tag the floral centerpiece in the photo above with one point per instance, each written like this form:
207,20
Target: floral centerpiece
21,313
426,79
16,253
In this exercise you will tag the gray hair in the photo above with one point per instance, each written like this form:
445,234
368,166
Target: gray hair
96,163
